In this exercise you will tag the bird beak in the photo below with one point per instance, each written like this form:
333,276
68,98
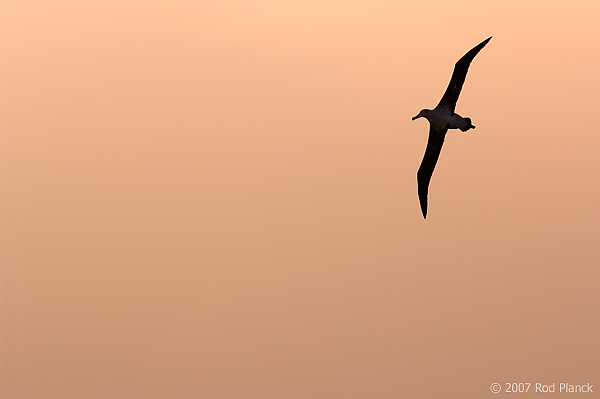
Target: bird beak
415,117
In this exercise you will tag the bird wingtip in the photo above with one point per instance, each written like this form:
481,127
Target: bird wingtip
424,210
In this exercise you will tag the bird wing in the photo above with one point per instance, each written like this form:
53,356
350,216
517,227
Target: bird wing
461,67
432,153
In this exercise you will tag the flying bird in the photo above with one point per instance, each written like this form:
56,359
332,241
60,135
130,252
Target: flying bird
442,118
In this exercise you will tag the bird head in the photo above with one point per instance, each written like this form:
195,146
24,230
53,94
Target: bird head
422,114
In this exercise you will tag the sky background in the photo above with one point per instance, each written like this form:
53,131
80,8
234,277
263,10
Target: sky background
218,199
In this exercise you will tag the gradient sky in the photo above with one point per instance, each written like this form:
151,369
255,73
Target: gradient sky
218,199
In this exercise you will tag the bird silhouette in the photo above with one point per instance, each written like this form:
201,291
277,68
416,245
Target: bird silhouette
442,118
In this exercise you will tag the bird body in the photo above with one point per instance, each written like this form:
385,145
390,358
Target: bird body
442,118
439,119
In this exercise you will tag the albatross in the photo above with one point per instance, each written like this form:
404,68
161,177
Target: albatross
442,118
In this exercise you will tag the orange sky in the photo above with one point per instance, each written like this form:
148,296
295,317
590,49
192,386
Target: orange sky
204,201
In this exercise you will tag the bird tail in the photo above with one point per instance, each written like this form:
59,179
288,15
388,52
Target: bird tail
468,125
